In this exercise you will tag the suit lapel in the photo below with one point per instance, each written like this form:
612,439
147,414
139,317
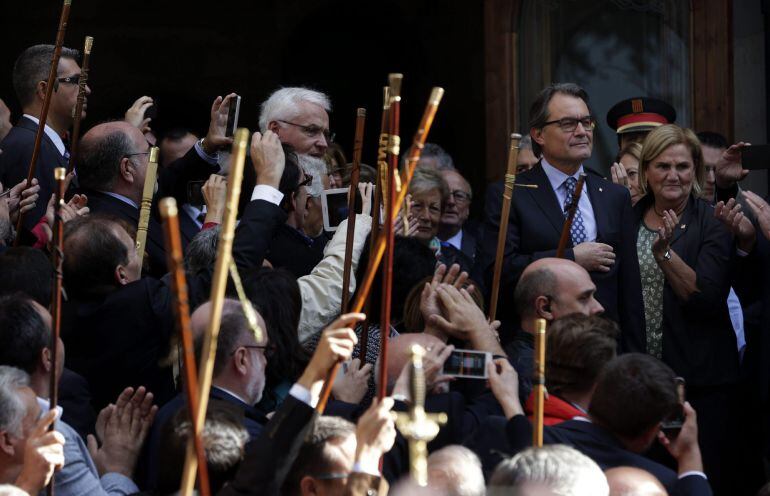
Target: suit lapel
30,125
684,222
544,196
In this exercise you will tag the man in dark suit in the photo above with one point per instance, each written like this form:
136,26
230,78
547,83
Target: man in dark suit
238,377
454,228
113,164
602,239
117,325
30,74
613,435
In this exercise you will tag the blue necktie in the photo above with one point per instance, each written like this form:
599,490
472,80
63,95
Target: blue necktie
578,229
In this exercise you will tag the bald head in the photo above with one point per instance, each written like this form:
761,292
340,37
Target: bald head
399,352
550,288
111,158
632,481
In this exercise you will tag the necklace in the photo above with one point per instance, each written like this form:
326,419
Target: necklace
678,211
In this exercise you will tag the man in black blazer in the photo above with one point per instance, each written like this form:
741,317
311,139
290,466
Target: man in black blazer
612,434
30,74
117,325
112,167
602,239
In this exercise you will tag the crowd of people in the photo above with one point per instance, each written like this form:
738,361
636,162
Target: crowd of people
658,313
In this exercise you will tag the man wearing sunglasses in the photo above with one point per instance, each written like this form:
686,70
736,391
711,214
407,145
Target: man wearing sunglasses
300,118
30,74
602,238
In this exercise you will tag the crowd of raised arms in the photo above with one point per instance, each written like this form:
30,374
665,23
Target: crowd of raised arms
656,305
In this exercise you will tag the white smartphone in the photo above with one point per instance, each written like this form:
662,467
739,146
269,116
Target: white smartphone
469,364
334,204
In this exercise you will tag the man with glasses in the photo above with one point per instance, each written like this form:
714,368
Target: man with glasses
300,118
602,238
112,166
457,207
30,74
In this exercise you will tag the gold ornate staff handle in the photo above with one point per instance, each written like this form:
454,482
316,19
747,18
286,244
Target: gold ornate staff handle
144,209
538,380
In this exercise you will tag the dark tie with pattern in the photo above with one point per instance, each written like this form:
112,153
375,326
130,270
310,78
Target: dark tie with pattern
578,230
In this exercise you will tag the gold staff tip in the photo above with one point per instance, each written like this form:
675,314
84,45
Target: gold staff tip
59,173
417,350
360,112
67,2
515,136
241,138
167,207
540,326
154,153
435,95
89,44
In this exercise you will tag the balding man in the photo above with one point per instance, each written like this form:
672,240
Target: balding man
300,118
548,289
238,377
112,167
632,481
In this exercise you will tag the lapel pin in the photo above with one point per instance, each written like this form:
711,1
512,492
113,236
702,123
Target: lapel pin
683,226
600,190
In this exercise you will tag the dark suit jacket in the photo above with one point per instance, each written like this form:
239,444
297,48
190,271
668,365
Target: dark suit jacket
14,164
498,438
468,244
698,337
534,229
187,227
118,340
295,252
269,459
172,181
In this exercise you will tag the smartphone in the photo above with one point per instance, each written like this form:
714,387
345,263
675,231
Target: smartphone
673,424
334,204
756,157
195,193
232,116
469,364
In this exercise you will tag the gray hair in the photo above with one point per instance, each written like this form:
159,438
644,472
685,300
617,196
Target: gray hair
458,469
562,469
12,408
425,179
282,104
202,250
538,112
315,167
33,66
443,159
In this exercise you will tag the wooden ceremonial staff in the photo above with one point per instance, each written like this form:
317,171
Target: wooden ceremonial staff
78,110
57,252
510,181
53,71
394,144
376,205
571,210
169,214
218,286
144,210
538,381
355,173
375,256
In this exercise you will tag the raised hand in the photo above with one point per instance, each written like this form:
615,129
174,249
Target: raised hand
22,198
366,197
594,257
215,138
352,386
375,434
619,174
729,169
215,195
504,383
661,243
135,114
268,158
761,210
730,215
44,452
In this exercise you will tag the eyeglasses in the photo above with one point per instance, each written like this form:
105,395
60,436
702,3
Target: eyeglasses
308,180
69,79
332,476
312,131
460,196
569,124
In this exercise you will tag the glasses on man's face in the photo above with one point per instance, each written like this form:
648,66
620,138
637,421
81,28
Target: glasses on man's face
306,182
312,131
460,196
569,124
129,155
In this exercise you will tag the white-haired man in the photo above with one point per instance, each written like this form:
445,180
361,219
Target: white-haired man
300,118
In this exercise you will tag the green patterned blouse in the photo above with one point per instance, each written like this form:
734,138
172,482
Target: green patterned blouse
652,290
